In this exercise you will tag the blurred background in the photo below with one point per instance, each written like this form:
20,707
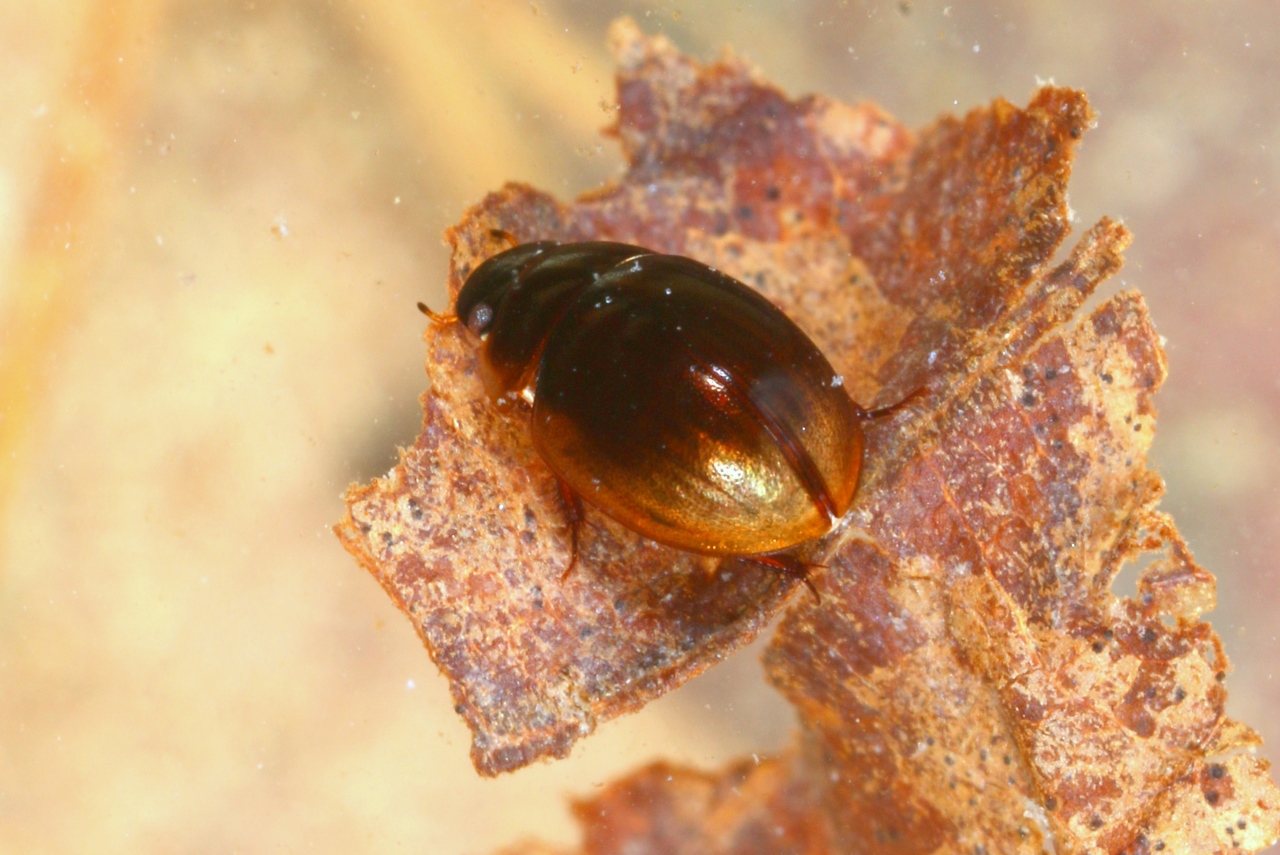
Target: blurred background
215,219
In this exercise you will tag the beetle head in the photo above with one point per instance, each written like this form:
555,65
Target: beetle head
486,288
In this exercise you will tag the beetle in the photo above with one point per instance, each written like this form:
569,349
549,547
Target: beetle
671,397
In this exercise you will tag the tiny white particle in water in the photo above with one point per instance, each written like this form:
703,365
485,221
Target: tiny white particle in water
976,49
837,382
409,685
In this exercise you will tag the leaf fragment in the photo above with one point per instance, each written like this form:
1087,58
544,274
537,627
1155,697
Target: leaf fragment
969,681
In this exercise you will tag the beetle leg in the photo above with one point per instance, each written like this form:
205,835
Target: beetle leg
881,412
573,515
504,235
788,565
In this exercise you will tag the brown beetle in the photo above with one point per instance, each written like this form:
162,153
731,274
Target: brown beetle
670,396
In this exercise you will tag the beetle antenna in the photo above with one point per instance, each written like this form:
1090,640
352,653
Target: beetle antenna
436,317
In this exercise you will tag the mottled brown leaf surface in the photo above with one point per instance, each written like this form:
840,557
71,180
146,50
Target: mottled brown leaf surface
969,682
753,806
979,686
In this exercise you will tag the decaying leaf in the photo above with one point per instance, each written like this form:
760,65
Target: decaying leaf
968,681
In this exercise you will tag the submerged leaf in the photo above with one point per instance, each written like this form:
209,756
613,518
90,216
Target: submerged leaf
968,682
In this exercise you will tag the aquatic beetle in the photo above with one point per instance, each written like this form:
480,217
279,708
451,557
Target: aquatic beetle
670,396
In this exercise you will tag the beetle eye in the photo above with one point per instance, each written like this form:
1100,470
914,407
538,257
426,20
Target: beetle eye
479,317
